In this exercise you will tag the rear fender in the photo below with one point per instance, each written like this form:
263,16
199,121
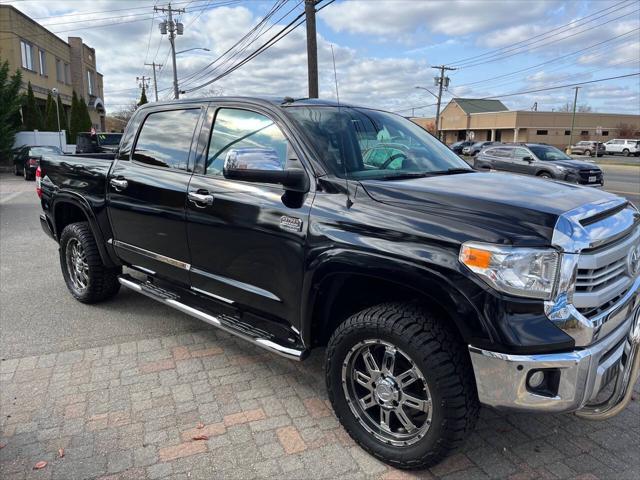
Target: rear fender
70,199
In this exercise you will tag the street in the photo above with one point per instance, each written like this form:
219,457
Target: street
121,386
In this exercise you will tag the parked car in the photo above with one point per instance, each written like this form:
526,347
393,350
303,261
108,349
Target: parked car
87,142
458,146
474,149
588,148
27,158
623,146
434,287
541,160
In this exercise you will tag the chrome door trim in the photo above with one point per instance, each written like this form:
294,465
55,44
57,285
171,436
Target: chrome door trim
149,254
213,295
237,284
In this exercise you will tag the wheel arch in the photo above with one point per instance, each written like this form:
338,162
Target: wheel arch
339,289
70,208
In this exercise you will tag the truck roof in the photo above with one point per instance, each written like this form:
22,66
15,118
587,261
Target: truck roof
270,101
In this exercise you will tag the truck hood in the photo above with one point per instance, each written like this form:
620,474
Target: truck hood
498,207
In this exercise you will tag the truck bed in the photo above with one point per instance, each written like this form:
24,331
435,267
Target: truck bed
83,174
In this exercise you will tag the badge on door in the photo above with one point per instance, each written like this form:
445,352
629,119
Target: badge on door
292,224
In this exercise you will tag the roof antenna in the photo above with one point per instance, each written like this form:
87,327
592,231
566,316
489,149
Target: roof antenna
344,163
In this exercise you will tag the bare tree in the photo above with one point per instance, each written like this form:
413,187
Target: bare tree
626,130
126,112
568,107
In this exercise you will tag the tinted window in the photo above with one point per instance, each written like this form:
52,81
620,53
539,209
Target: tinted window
549,153
498,152
165,138
109,138
45,151
235,131
520,153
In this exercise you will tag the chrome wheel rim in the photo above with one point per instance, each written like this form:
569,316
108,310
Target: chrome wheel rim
387,392
77,265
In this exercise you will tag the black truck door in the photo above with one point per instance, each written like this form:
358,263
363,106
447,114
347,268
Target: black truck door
247,239
148,191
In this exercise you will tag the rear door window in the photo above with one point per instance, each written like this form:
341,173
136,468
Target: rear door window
165,138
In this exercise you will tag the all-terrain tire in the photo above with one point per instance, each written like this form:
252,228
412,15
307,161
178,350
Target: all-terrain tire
444,363
101,281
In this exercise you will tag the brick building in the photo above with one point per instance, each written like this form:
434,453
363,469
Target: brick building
49,62
480,119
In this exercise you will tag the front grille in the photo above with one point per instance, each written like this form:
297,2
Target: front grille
585,174
603,275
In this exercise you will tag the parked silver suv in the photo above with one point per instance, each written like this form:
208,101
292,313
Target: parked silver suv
540,160
589,148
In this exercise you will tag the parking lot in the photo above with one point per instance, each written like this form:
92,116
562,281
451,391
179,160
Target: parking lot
120,390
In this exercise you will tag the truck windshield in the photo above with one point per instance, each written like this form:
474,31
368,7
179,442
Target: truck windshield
361,143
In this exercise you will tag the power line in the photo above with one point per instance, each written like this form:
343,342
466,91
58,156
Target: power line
555,87
498,50
272,41
241,44
500,58
145,7
550,61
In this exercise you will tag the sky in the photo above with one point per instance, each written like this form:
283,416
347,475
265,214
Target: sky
383,49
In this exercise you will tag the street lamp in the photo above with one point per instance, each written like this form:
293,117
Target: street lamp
194,48
422,88
54,91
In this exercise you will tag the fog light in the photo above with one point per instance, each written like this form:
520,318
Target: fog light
536,379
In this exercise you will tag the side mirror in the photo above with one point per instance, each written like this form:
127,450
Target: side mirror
528,159
262,165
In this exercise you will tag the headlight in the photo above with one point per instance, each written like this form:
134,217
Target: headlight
524,272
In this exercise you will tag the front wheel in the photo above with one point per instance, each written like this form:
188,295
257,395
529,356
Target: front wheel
544,175
401,384
587,153
625,152
88,279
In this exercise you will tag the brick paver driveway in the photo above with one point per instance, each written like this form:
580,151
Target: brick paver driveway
135,410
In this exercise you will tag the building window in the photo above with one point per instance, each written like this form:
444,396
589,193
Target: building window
542,132
567,132
59,70
90,85
605,133
67,74
26,50
584,132
43,63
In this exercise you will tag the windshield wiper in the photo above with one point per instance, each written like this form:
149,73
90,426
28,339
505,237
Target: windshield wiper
452,171
405,176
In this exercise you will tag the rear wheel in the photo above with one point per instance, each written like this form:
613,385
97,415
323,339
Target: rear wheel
587,153
26,175
16,170
86,276
401,384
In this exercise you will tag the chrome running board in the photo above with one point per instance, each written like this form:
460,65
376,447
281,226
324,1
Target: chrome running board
224,322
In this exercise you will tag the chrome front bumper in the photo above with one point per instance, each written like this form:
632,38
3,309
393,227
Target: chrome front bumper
579,376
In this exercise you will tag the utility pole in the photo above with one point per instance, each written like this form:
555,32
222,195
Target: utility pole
573,117
440,82
312,47
143,81
173,28
155,65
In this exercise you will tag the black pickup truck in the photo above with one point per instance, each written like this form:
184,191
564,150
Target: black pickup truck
298,224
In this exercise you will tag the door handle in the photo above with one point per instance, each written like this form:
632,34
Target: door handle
119,184
200,200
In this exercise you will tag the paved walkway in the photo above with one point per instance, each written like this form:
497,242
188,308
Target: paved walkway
135,410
